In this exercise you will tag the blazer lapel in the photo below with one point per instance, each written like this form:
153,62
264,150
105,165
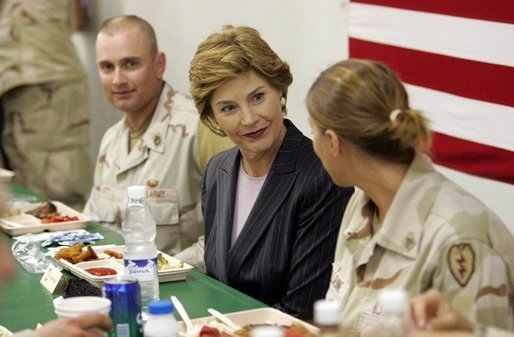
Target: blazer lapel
273,194
227,180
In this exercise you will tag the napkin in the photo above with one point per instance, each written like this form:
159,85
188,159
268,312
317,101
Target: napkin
71,238
46,235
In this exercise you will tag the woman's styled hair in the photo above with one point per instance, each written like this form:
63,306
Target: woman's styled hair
226,55
365,103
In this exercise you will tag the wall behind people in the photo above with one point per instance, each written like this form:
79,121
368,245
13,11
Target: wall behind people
292,27
309,35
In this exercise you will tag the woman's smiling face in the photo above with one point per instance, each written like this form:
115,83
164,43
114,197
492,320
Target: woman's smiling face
248,109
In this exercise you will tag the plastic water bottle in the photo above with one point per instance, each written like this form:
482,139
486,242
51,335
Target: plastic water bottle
161,322
395,319
140,253
327,317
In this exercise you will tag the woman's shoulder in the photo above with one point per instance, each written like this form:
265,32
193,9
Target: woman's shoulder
462,210
458,217
300,145
224,159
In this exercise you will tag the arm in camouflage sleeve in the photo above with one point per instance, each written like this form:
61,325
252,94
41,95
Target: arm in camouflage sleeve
476,282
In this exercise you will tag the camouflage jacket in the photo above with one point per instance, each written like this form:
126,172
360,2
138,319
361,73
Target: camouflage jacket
435,235
35,43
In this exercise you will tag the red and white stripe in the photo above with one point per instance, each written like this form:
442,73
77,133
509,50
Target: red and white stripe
457,61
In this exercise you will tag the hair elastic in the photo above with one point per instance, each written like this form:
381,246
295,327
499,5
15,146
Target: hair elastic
394,114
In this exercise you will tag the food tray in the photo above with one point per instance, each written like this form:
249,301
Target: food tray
5,175
117,264
251,317
78,270
26,223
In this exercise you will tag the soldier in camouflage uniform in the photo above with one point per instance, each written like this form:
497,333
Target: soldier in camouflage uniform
407,226
158,142
44,92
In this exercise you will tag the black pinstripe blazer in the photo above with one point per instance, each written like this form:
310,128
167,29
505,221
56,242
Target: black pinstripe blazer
284,253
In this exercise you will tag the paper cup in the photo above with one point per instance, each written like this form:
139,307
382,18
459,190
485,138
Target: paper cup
76,306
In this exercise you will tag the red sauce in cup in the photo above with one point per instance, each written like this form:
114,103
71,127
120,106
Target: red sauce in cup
101,271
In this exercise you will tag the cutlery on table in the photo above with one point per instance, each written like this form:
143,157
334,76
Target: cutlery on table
227,321
183,313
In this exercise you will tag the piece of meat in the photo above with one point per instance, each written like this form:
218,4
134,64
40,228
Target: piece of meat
46,209
92,251
113,253
68,253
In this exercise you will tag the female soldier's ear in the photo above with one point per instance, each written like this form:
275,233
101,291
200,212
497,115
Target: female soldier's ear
334,142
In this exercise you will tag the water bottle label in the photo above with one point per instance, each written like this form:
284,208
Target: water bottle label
143,270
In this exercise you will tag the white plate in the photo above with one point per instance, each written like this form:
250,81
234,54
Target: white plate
4,332
251,317
26,223
108,261
5,175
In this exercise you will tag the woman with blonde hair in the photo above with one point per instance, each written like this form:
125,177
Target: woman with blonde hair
271,211
406,226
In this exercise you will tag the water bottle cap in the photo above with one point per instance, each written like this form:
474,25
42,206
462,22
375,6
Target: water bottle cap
267,331
393,300
137,191
327,312
160,307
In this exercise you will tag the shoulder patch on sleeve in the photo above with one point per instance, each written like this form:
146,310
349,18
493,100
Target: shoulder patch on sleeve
461,261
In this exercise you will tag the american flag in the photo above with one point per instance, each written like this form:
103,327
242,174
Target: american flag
456,59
